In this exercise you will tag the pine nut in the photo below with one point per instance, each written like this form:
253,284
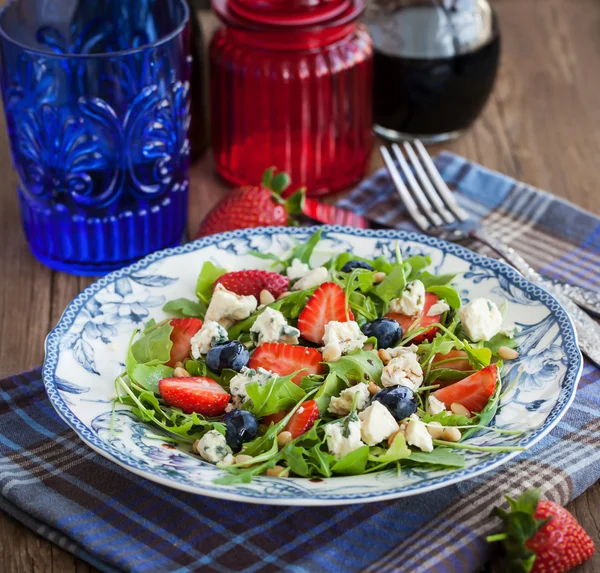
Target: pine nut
178,365
277,471
284,438
451,434
379,277
331,354
393,437
180,372
384,355
266,297
460,410
244,459
507,353
283,295
368,347
435,429
373,388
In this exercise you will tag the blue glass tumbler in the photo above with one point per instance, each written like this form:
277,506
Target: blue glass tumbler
96,96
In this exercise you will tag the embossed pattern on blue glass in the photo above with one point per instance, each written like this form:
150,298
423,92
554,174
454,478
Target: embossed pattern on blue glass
96,95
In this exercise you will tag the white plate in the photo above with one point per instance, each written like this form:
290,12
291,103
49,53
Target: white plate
86,351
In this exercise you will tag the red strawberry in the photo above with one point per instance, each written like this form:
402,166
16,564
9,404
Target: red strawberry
183,330
421,321
303,419
274,418
283,359
254,206
326,304
252,282
541,536
473,392
194,394
455,360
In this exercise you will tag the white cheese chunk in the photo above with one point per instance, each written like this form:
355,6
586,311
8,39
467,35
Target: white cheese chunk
227,308
435,406
341,405
440,307
209,335
343,437
412,301
313,278
378,424
416,434
237,385
213,448
481,319
404,370
271,326
343,337
297,270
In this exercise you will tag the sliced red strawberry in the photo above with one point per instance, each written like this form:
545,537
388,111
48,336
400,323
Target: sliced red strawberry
194,394
283,359
326,304
274,418
473,392
415,322
455,360
183,330
303,419
252,282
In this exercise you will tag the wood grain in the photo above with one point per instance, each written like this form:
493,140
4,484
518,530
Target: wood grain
541,126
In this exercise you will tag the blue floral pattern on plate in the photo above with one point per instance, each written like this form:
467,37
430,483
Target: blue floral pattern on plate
86,350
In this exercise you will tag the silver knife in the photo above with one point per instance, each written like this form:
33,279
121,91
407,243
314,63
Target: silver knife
588,330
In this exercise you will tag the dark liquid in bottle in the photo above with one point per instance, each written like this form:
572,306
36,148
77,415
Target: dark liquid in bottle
439,93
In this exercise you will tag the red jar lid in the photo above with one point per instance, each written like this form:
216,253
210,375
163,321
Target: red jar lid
293,13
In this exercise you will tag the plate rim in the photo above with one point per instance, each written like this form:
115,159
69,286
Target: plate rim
572,374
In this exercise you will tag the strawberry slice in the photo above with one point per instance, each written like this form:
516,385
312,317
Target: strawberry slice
283,359
303,419
253,282
183,330
326,304
194,394
455,360
473,392
274,418
421,321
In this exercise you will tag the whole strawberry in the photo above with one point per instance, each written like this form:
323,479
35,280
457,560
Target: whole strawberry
541,536
254,206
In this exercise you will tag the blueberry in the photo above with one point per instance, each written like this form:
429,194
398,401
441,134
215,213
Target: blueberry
240,426
233,355
351,265
386,330
399,400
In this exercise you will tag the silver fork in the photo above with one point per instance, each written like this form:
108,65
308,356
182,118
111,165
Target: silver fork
433,208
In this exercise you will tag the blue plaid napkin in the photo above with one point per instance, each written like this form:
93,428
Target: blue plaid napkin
117,521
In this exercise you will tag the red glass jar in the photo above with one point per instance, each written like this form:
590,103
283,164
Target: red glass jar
291,85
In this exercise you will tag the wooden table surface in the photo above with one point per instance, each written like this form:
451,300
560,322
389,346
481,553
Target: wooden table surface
541,126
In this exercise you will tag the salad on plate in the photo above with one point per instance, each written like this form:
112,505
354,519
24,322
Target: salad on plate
347,368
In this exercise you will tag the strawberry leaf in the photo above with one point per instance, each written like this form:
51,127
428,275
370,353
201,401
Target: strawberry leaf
280,183
267,180
295,202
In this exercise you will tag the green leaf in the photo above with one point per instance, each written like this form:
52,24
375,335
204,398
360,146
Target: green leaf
332,386
478,356
281,181
438,457
149,376
294,457
304,250
153,348
360,366
447,293
267,178
393,285
352,464
447,419
266,256
319,460
185,308
487,414
362,306
500,340
445,375
397,451
295,203
278,393
430,280
206,279
415,264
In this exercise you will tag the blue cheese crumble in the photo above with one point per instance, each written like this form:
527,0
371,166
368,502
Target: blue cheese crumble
271,326
213,448
412,301
211,334
343,437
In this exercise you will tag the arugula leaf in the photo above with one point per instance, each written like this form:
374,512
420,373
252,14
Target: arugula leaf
332,386
448,419
393,285
487,414
149,376
438,457
447,293
445,375
304,251
397,451
413,265
294,457
362,307
500,340
430,280
478,356
184,307
319,460
353,463
154,347
360,366
206,279
278,393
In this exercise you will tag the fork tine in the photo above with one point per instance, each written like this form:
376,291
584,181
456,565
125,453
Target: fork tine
440,184
417,192
411,206
429,190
